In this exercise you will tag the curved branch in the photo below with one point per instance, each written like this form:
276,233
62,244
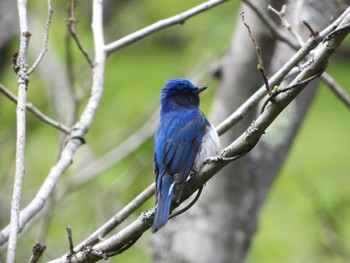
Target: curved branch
174,20
325,77
46,39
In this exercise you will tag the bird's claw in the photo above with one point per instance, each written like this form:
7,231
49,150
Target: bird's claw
145,216
219,158
213,159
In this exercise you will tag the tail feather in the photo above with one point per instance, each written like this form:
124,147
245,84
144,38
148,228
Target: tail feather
164,198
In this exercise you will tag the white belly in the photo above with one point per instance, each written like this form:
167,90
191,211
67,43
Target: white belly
209,147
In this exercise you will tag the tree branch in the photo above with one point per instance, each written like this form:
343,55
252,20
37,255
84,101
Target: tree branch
46,39
279,34
21,130
73,31
174,20
337,90
75,140
327,79
117,219
129,145
41,116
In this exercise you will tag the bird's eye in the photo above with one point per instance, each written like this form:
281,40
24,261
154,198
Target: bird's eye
187,90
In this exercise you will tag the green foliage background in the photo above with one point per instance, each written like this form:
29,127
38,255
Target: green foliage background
291,229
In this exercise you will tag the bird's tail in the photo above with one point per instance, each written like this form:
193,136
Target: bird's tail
164,197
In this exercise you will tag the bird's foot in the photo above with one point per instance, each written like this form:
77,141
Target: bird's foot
145,216
220,158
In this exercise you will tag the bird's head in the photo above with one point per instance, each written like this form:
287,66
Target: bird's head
181,92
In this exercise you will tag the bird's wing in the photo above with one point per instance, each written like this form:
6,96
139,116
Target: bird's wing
183,136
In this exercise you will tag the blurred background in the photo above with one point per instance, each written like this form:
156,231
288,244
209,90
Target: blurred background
306,217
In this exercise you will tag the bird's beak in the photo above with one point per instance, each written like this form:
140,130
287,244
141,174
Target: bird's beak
200,89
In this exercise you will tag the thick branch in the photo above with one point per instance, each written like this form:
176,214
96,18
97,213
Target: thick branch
21,130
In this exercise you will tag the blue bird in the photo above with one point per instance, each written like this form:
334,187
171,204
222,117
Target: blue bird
184,139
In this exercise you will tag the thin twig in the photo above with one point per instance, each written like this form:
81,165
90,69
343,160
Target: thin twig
21,130
282,16
337,90
73,31
274,94
70,240
313,33
31,108
174,20
270,24
259,55
69,64
340,93
46,38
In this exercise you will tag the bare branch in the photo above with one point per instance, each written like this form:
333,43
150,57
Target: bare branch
337,90
273,81
135,140
21,130
308,26
73,31
279,34
259,55
117,219
46,39
174,20
70,240
30,107
78,131
340,93
282,16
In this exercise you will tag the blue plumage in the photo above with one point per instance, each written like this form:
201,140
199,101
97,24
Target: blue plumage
184,138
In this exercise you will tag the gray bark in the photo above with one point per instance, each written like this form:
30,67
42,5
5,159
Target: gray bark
221,226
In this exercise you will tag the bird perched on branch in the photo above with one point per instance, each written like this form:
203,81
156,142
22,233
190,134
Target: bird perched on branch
184,139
